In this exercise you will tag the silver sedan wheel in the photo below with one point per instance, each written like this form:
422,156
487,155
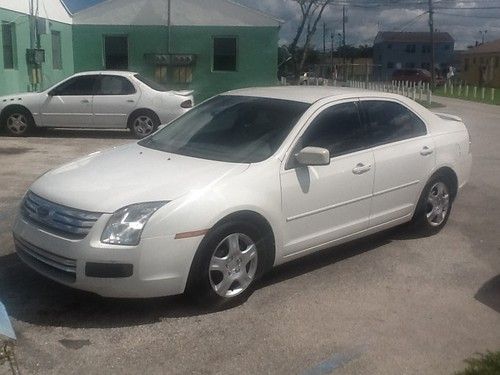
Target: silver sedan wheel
17,123
143,125
233,265
438,204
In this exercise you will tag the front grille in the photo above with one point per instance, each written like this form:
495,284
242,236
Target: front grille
58,267
56,218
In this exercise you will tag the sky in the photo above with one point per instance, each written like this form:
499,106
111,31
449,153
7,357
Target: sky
367,17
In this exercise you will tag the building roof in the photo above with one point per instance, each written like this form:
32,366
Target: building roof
490,47
412,37
183,13
54,10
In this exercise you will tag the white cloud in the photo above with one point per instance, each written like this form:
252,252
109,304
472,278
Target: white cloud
364,23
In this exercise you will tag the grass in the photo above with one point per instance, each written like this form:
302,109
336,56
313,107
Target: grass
487,95
482,364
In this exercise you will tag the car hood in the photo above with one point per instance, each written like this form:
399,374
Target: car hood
109,180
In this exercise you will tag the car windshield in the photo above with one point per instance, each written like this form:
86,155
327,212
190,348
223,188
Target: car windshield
149,82
237,129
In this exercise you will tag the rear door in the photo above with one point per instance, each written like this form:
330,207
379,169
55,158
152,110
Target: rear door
115,99
404,158
70,103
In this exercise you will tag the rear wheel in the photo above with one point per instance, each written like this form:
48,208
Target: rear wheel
434,206
18,122
144,123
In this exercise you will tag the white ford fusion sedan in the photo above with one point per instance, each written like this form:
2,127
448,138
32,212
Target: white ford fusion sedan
99,100
245,181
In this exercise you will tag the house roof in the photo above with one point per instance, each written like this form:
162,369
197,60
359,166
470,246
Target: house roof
183,13
54,10
412,37
490,47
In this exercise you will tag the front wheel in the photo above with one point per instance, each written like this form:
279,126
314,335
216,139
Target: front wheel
18,122
144,123
228,263
434,207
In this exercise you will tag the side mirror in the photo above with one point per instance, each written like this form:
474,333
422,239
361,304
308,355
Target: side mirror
313,156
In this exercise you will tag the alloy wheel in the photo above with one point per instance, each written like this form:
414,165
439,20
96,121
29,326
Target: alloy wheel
143,125
438,204
17,123
233,265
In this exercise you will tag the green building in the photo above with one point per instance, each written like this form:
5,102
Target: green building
209,46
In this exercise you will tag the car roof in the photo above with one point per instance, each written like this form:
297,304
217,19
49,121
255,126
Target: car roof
307,94
123,73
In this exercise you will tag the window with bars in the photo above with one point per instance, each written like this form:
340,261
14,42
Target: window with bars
56,50
9,45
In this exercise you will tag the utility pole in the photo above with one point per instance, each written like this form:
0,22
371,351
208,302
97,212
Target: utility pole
324,38
343,43
431,27
169,24
332,36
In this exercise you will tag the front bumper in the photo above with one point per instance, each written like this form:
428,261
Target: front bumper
158,266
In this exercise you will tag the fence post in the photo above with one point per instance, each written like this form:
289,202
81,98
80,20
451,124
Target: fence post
420,92
451,88
475,92
460,90
482,93
466,91
429,96
492,94
445,88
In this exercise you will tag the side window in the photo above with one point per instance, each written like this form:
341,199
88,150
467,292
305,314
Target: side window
391,122
114,85
338,129
82,85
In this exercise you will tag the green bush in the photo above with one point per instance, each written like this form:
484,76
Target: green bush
482,364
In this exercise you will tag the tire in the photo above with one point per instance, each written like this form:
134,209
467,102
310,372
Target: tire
434,206
227,264
18,122
143,123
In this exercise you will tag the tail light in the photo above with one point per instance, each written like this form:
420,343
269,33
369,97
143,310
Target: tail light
187,104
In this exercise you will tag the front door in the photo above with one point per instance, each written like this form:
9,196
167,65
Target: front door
70,103
324,203
114,100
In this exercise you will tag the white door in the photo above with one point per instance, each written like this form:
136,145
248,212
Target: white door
114,100
70,103
404,158
325,203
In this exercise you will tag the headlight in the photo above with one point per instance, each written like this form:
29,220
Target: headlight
126,225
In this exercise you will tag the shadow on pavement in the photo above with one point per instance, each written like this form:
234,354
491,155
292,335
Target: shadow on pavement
32,298
489,293
78,133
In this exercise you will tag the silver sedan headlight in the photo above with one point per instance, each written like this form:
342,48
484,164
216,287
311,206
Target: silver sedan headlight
126,225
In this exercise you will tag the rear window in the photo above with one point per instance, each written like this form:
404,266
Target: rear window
152,84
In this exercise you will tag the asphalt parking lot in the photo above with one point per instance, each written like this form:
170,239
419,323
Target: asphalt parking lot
394,303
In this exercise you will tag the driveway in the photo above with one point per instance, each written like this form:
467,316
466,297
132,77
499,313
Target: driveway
391,304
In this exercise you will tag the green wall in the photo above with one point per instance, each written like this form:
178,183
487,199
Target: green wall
257,53
17,79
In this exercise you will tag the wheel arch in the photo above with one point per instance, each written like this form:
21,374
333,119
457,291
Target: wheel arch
136,111
11,107
448,173
261,223
242,216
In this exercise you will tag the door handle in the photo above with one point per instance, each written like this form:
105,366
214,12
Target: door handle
130,100
360,168
85,101
426,151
